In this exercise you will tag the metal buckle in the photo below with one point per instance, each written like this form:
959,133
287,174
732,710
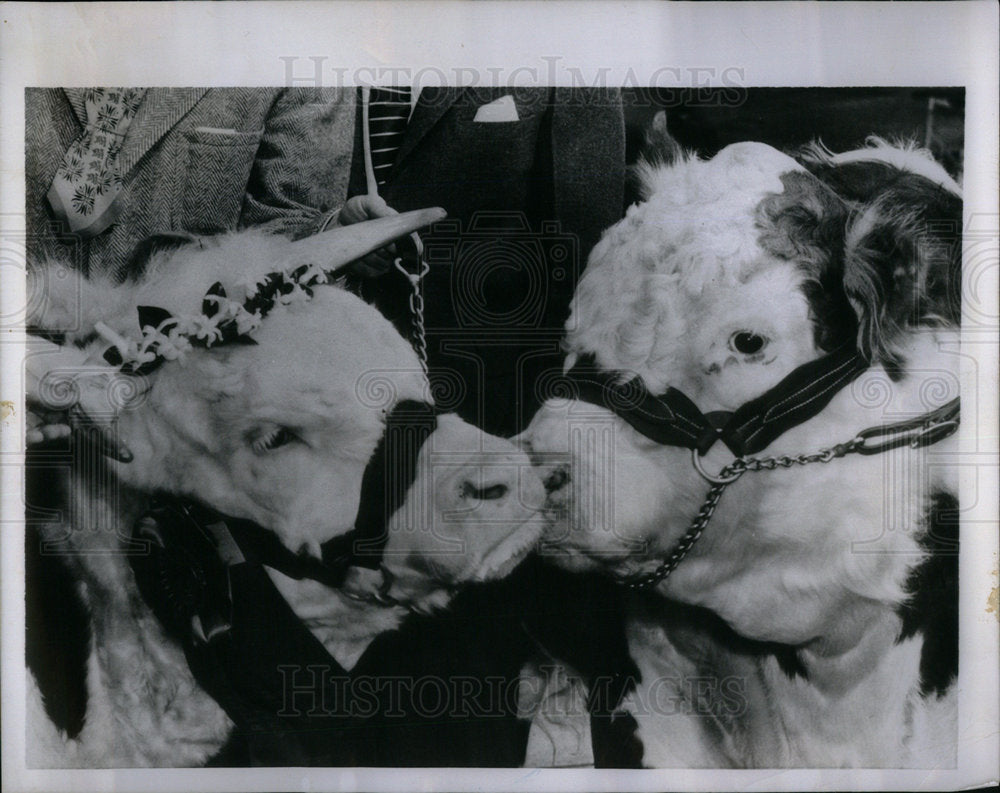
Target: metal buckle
914,437
379,597
422,266
715,480
934,433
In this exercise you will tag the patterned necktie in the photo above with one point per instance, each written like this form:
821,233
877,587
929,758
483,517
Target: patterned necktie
87,182
388,112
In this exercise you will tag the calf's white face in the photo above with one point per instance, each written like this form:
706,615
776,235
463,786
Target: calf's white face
690,291
474,512
278,433
684,292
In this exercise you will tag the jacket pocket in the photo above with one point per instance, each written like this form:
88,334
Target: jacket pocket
219,162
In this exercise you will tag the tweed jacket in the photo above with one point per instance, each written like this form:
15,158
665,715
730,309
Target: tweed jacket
198,161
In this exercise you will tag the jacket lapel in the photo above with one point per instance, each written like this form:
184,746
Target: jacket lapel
75,97
433,103
160,110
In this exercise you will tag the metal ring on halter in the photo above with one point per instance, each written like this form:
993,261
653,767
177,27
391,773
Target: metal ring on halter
715,480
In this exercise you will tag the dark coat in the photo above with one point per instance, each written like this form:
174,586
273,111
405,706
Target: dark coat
526,200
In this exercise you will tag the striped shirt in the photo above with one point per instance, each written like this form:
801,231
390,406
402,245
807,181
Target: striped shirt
388,113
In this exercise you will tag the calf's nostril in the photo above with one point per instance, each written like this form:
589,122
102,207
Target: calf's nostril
490,493
556,480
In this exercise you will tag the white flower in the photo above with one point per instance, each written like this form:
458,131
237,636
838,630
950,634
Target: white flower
314,275
232,309
188,325
250,284
151,340
247,322
207,328
137,356
177,344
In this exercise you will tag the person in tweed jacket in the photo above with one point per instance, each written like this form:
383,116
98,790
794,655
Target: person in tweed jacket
189,161
193,161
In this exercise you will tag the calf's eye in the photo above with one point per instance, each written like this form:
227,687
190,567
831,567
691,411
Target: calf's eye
273,439
747,343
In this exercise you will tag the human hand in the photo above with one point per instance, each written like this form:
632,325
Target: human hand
64,389
369,207
45,425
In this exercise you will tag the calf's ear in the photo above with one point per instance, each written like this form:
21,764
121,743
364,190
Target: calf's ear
63,303
660,146
902,264
659,151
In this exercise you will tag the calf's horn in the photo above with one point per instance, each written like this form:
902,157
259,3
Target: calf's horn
342,245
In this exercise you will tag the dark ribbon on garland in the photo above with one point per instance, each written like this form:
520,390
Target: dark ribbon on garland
272,287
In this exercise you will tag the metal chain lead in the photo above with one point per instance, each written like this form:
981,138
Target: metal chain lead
685,543
921,431
720,482
416,300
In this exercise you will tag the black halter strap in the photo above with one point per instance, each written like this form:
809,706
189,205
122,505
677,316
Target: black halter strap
671,419
796,399
387,478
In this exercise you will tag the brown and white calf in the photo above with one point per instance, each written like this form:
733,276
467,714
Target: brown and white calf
813,622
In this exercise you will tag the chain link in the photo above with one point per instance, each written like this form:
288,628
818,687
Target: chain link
691,536
416,300
720,482
921,431
419,331
787,461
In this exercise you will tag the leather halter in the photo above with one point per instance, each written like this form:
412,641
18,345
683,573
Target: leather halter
388,476
672,419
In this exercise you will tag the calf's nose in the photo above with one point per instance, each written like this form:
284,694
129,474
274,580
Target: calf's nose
485,492
501,489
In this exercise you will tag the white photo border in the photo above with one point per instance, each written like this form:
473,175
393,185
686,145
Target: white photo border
524,43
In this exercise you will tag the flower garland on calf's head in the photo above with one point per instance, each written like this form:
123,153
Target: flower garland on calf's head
166,337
